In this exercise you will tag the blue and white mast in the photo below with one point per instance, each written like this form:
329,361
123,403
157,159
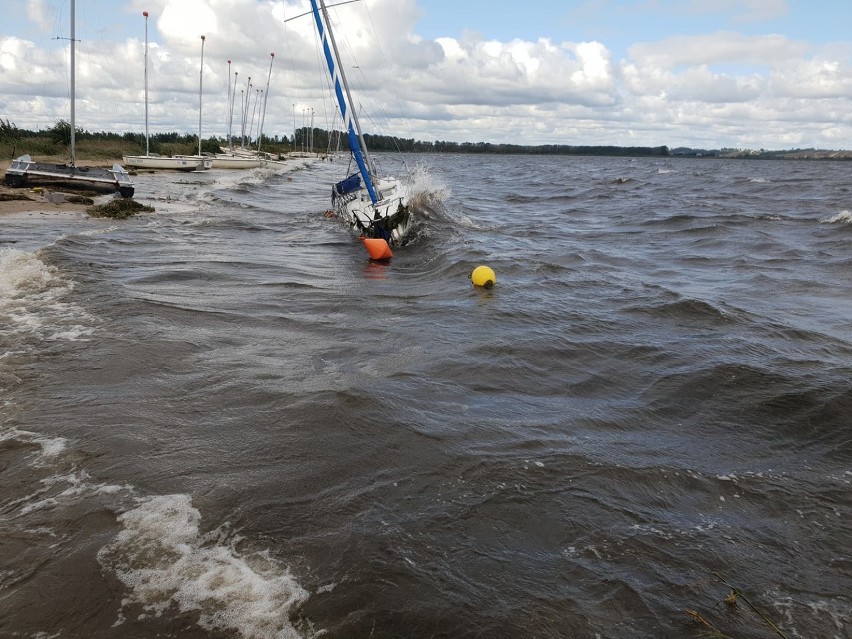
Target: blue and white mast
356,141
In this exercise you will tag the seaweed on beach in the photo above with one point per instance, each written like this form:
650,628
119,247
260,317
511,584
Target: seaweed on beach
79,199
119,209
9,197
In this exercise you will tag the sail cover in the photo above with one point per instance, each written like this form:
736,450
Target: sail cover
349,185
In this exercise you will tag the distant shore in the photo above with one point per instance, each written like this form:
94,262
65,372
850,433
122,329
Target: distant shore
748,154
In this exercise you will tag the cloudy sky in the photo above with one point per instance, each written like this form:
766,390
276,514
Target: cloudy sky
773,74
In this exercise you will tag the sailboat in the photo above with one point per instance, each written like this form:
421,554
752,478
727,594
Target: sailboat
377,208
240,158
24,167
156,161
175,162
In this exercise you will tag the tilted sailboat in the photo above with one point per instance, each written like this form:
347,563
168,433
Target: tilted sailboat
24,167
377,208
156,161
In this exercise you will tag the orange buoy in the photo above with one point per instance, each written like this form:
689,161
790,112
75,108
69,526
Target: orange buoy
377,248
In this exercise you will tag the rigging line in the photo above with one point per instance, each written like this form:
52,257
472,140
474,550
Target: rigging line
323,74
297,90
66,53
328,6
330,120
350,55
366,89
111,77
389,77
32,64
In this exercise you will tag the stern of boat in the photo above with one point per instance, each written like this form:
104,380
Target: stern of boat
16,174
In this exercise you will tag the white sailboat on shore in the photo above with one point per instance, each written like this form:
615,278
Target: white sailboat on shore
241,157
377,208
24,167
156,161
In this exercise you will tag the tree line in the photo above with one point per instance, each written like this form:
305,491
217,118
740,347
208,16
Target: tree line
316,140
326,140
308,139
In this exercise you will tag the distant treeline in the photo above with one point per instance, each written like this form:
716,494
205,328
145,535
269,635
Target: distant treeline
386,143
390,143
56,140
14,141
761,154
316,140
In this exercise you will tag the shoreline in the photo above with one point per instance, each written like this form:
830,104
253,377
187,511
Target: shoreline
45,200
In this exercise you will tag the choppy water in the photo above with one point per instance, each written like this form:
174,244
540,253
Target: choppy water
221,420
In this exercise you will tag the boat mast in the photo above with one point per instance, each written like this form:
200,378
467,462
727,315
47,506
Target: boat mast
245,101
73,79
356,142
257,93
265,99
231,106
147,147
200,84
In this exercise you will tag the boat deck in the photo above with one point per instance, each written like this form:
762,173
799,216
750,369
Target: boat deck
23,167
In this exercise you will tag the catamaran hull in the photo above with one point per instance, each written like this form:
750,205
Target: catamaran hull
167,163
23,168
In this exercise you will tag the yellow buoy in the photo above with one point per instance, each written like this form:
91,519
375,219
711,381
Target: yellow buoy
483,276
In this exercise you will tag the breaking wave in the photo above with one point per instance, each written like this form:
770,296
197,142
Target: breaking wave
844,217
166,561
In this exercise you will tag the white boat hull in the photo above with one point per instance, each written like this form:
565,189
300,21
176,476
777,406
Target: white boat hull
237,162
167,163
388,218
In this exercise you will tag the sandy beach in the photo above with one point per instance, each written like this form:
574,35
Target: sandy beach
43,199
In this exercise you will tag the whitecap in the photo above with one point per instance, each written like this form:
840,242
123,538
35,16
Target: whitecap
21,272
425,187
844,217
33,300
50,446
166,561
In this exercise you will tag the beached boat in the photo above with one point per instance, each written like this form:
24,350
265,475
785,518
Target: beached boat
377,208
238,158
167,163
24,167
235,161
155,160
242,157
206,161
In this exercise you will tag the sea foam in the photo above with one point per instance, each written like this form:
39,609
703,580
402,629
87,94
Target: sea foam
21,272
844,217
166,561
33,300
425,187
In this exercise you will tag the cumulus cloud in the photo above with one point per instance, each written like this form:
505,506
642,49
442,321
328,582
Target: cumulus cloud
479,72
719,88
717,48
